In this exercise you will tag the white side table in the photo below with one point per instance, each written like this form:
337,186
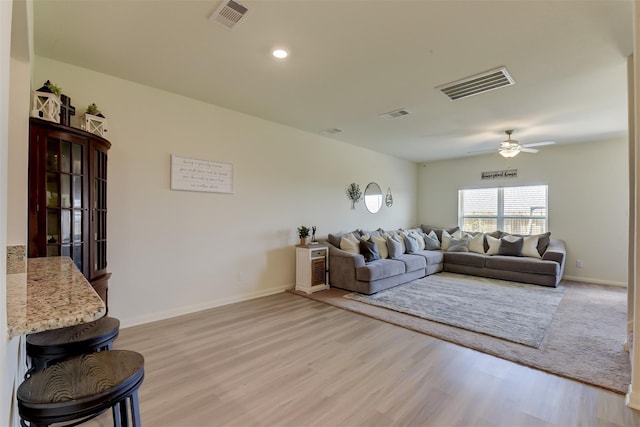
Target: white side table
312,266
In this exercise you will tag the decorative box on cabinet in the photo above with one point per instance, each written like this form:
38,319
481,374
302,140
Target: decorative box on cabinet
312,265
68,198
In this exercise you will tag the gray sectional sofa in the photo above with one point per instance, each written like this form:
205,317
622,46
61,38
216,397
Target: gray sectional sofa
350,271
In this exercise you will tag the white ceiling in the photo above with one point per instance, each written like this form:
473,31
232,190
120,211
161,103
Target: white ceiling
351,61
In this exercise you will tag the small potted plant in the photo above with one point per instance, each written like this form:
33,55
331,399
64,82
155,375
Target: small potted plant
354,194
303,233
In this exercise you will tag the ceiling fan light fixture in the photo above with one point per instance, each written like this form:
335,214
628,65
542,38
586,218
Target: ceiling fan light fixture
509,152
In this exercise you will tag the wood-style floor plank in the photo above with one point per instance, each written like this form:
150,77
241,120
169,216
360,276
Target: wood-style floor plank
285,360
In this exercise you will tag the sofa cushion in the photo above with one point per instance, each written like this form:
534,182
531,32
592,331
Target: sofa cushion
432,257
522,264
369,250
413,262
471,259
380,269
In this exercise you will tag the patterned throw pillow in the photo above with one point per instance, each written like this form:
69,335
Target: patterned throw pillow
459,245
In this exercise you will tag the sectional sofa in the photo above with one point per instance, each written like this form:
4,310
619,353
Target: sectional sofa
495,255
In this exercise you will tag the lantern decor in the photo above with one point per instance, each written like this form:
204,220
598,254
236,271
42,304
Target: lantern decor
93,121
46,103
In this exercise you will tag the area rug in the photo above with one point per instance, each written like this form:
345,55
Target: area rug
585,341
513,311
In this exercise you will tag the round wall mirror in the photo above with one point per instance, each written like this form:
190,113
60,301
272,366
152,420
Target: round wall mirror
373,197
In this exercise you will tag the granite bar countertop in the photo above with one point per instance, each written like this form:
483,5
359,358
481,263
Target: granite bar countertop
52,294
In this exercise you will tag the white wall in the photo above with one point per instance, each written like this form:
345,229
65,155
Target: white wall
172,252
588,199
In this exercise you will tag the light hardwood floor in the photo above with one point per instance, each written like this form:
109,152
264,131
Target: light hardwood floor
285,360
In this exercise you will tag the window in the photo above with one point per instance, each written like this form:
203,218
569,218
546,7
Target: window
517,210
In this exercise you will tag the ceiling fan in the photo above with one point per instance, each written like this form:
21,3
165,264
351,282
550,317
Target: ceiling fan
511,147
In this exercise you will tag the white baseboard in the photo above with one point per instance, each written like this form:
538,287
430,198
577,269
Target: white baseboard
633,399
595,281
179,311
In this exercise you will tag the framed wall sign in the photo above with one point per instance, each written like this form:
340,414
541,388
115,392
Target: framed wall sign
201,175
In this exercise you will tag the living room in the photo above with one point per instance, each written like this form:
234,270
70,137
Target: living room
173,253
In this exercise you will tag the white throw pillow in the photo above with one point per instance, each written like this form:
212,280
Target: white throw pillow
494,245
530,247
381,242
476,244
350,244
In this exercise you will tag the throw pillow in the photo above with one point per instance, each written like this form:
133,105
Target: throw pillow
438,230
410,243
419,237
431,242
394,247
494,245
459,245
381,242
446,238
350,244
399,238
511,246
476,243
530,247
369,250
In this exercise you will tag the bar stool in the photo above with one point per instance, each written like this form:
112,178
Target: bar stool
82,387
46,347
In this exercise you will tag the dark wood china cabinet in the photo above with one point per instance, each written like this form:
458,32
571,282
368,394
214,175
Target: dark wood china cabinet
68,198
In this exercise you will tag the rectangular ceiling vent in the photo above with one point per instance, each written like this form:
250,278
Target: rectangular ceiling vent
395,114
480,83
229,14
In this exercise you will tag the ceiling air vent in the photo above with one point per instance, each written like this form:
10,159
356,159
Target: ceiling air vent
395,114
480,83
229,13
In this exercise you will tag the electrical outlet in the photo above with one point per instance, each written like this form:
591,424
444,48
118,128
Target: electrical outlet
579,263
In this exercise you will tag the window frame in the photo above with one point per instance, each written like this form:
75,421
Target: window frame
500,215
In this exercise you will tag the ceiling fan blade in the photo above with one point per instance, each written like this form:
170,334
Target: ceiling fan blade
483,151
539,144
528,150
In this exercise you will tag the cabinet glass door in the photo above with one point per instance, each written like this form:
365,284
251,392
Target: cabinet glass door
99,212
64,202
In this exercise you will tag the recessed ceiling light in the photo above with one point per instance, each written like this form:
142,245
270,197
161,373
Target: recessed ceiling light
280,53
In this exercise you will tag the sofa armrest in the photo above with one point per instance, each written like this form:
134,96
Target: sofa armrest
342,267
556,251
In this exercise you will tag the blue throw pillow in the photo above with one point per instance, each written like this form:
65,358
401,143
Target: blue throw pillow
411,243
394,247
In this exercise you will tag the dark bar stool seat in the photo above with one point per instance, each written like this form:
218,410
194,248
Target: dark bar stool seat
82,387
46,347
